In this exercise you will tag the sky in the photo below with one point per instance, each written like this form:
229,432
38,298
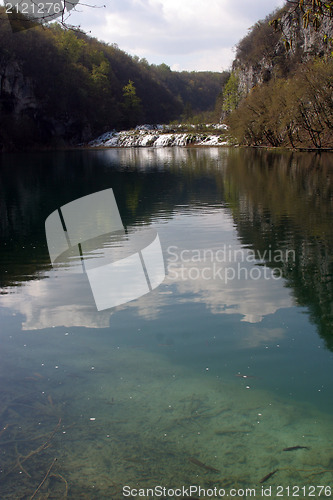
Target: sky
191,35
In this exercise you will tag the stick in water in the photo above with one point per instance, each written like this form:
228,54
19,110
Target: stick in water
45,478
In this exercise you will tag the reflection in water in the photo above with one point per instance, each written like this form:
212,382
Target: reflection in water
286,203
220,364
277,202
224,281
89,236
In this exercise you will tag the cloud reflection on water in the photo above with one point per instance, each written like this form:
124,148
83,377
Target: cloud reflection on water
64,299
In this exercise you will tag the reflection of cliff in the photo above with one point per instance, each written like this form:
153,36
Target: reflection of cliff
285,202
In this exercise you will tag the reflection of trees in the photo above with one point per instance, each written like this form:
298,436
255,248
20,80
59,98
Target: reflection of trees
279,201
31,187
284,202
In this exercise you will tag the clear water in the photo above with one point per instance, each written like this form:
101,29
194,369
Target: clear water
228,362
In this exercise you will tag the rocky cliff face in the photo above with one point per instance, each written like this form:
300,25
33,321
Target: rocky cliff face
307,41
16,91
24,122
303,43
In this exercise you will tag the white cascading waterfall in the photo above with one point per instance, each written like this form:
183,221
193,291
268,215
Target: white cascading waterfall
162,136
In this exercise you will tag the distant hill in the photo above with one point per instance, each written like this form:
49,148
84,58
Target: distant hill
280,89
61,87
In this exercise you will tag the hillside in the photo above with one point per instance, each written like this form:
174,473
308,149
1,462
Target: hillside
61,87
280,90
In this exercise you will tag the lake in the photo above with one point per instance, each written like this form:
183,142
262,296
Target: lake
214,378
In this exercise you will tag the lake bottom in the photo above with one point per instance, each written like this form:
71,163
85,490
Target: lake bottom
109,417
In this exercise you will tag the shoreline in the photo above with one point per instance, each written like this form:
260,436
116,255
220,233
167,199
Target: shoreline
46,149
192,146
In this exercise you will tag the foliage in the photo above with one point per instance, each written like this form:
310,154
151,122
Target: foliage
132,104
262,50
196,90
259,43
297,111
83,87
287,94
231,94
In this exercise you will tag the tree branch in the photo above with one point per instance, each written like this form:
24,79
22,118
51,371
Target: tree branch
26,14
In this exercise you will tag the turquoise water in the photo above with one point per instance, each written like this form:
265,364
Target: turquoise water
227,362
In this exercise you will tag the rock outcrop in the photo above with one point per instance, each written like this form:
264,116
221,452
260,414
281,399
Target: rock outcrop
283,50
16,90
23,118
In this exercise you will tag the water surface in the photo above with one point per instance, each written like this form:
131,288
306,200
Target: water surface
228,361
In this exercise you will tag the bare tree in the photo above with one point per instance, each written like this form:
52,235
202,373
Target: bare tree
26,14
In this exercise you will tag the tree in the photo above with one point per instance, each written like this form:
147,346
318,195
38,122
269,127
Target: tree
297,111
131,105
231,94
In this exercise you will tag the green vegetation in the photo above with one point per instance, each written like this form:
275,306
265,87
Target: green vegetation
200,92
259,43
231,93
131,104
62,87
283,95
296,112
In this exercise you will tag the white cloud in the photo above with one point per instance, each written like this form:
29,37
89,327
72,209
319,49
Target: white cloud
186,34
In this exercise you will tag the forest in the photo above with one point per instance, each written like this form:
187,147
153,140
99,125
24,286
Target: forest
280,91
61,87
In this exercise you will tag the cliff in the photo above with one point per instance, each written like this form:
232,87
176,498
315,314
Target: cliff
16,90
280,91
25,119
266,52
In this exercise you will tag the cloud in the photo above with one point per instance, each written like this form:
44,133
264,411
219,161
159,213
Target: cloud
191,34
